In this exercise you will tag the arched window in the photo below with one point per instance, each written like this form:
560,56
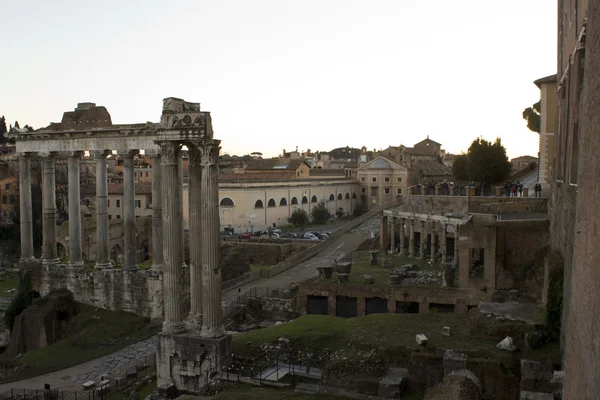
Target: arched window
226,202
258,204
331,197
340,197
11,199
304,200
283,201
294,201
347,196
314,199
271,203
354,195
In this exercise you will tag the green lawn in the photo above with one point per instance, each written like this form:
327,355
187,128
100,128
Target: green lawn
262,268
362,266
93,333
389,332
10,283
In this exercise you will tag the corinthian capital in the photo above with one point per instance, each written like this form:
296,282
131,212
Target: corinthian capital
209,152
170,152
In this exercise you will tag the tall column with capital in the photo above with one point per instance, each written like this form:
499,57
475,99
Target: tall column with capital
172,226
401,241
443,240
130,256
433,240
180,189
423,237
49,255
393,236
411,238
26,218
102,251
157,227
75,259
195,197
211,244
456,239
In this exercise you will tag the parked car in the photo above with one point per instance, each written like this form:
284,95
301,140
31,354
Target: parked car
273,235
245,235
288,235
276,230
225,233
310,236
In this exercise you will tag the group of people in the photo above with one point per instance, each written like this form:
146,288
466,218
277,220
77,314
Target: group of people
538,190
512,189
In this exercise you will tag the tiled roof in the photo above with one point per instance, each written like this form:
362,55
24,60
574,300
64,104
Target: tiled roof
275,163
432,168
326,172
254,176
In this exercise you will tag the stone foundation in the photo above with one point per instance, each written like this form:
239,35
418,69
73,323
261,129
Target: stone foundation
188,361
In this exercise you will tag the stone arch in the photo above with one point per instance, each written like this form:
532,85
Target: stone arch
294,201
304,200
61,251
331,197
314,199
271,203
283,201
340,196
227,202
115,252
258,204
347,196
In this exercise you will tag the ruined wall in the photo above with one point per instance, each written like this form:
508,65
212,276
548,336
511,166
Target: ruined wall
473,204
480,233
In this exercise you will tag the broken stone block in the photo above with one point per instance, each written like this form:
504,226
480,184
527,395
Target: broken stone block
558,377
168,390
513,295
454,361
387,263
392,384
369,279
343,268
374,257
446,331
401,271
395,279
89,385
325,272
342,277
507,344
421,339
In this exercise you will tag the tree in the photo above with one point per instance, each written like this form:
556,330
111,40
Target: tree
299,217
320,214
459,168
340,212
487,162
3,130
532,116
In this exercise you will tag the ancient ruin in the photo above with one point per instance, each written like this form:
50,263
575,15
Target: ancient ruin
189,345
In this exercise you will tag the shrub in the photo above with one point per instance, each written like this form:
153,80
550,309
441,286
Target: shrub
299,217
320,214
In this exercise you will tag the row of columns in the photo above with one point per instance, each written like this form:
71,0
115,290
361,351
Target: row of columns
167,225
433,229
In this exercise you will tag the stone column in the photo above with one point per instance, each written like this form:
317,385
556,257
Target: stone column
411,238
433,231
172,226
456,239
180,188
157,228
401,244
49,253
443,242
393,236
423,237
26,218
211,244
102,251
75,259
129,236
195,196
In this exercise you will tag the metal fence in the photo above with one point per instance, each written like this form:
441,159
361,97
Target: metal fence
100,391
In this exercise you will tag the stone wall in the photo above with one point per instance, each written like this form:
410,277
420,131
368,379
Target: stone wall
472,204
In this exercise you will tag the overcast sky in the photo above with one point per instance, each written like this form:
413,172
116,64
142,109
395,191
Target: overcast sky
279,73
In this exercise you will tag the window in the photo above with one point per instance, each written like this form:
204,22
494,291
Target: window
340,196
399,191
283,202
304,200
107,202
387,178
331,197
347,196
313,199
118,216
364,190
109,216
138,204
399,179
374,179
226,202
118,205
363,179
11,199
6,186
135,174
354,195
258,204
4,199
271,203
387,190
146,174
294,201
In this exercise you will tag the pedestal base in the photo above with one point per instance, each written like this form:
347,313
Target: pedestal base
188,361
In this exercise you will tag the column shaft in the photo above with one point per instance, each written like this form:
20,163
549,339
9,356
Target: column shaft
433,240
75,247
423,237
26,218
195,243
130,257
157,227
211,244
411,238
180,188
102,241
393,236
49,200
172,226
443,240
456,238
401,241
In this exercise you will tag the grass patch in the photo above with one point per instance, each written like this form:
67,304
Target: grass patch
262,393
146,264
387,332
362,266
262,268
11,283
144,391
92,333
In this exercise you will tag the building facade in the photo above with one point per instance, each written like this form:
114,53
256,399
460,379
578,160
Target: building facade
381,182
547,87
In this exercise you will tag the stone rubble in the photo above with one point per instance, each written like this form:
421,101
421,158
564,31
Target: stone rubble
421,339
507,344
